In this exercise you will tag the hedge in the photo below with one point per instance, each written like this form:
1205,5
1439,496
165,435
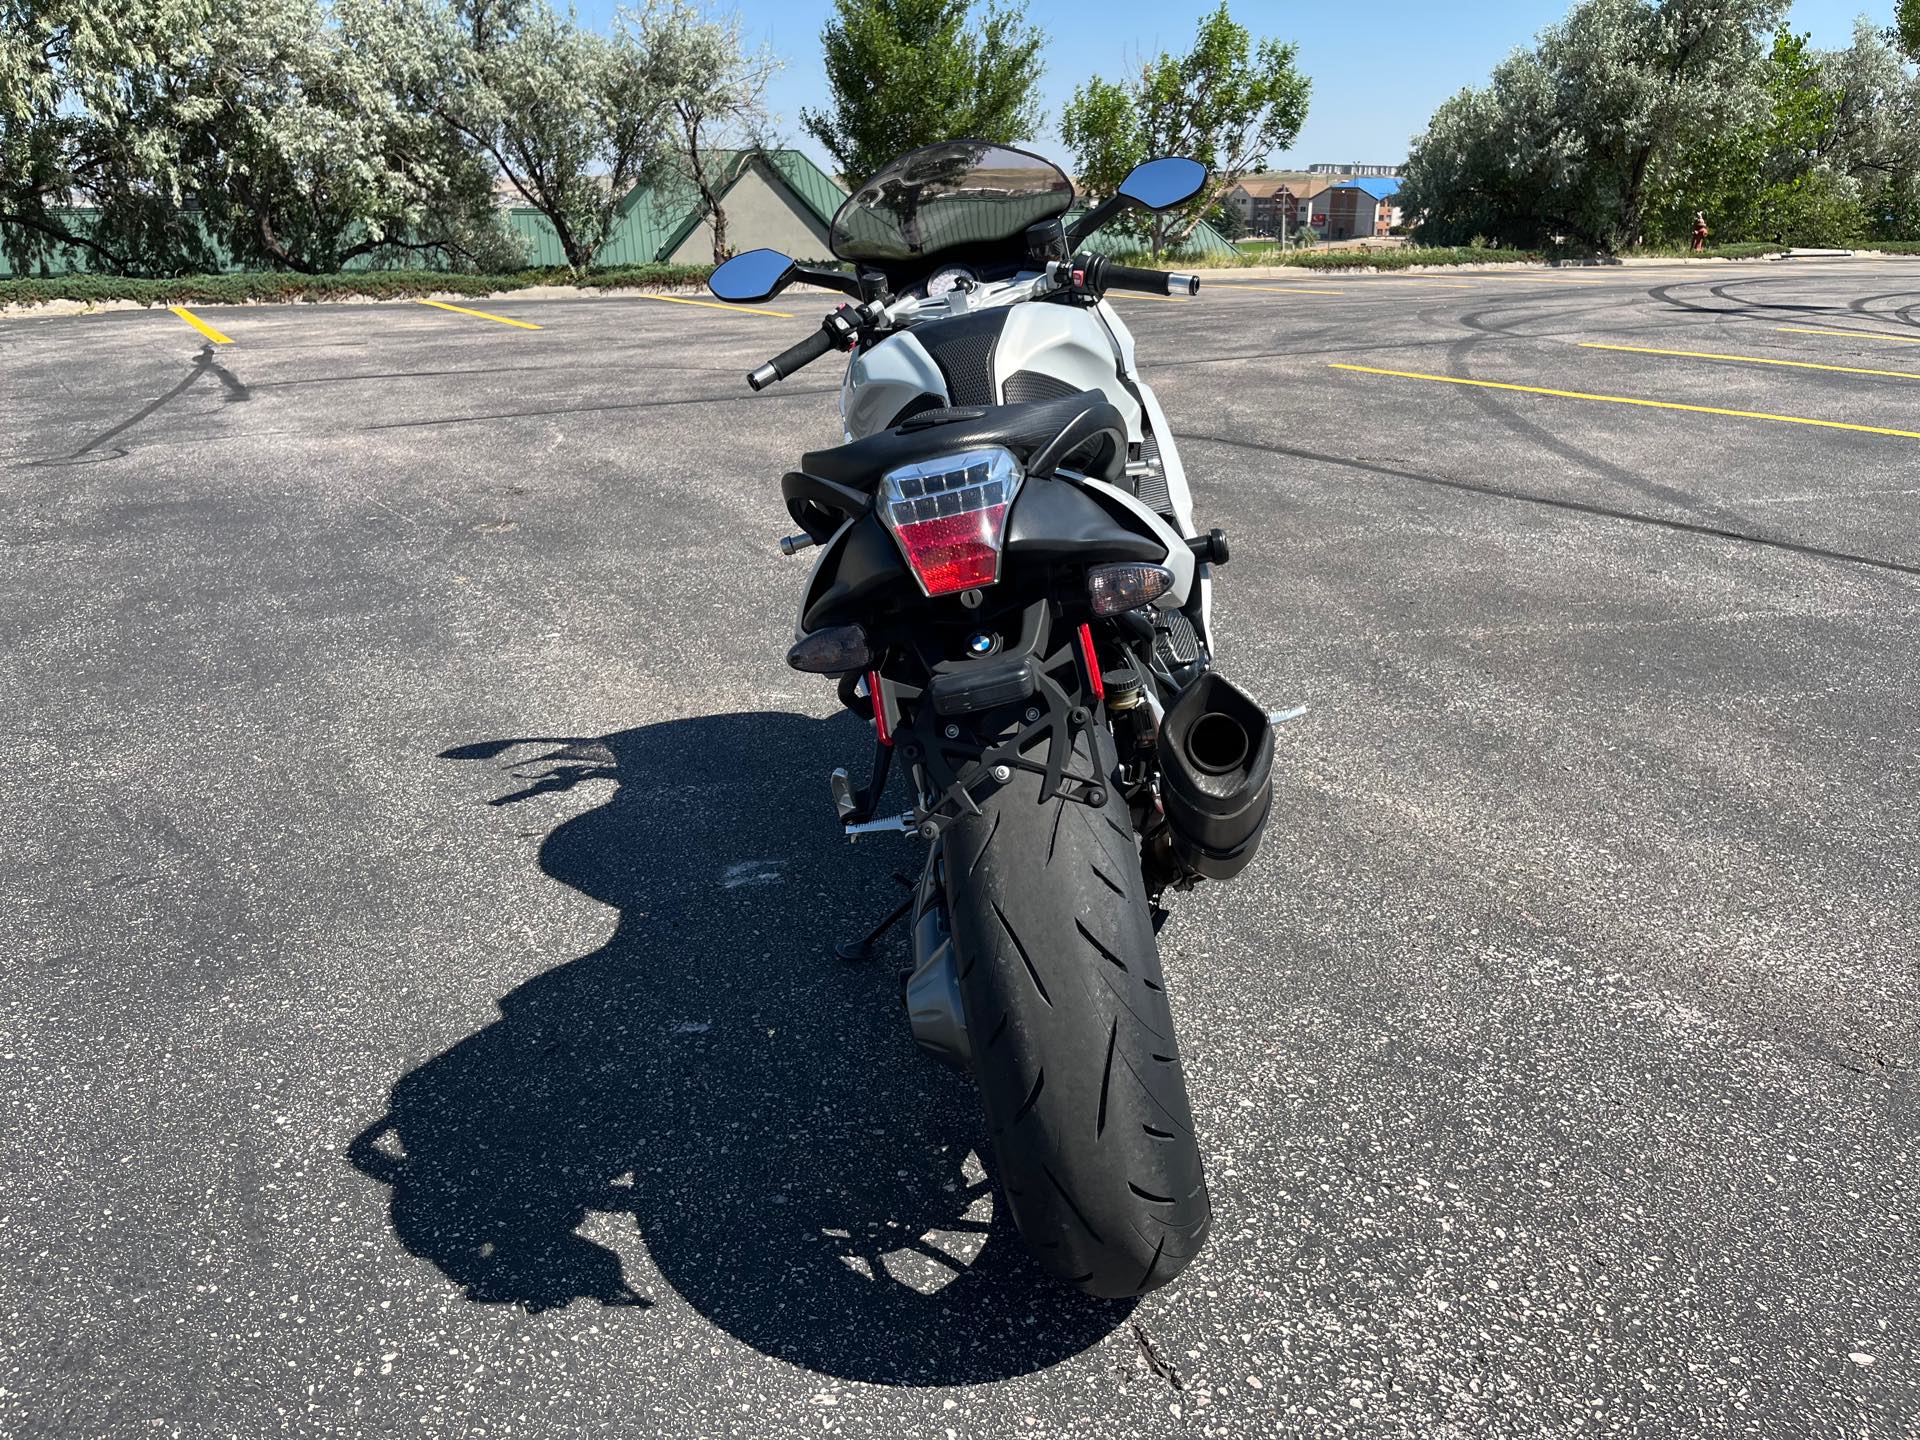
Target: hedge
1404,257
1747,250
284,286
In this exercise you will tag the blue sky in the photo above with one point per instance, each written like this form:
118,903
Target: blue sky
1379,67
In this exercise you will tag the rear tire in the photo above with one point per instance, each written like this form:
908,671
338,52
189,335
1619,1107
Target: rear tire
1072,1038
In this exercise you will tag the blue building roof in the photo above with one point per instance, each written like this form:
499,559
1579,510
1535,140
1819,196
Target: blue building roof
1378,187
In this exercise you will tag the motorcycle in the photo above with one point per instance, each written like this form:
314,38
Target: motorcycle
1011,589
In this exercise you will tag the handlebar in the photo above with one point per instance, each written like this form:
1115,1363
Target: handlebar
1084,274
793,358
1103,274
1151,282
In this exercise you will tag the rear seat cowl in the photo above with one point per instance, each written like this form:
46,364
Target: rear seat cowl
1027,430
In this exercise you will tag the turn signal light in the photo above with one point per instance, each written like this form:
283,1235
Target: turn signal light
1113,588
835,650
949,515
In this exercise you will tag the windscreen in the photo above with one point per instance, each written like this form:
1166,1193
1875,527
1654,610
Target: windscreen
942,197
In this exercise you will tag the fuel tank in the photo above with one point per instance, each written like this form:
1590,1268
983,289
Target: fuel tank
1007,355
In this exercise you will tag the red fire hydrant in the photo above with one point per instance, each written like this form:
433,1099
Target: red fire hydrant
1699,230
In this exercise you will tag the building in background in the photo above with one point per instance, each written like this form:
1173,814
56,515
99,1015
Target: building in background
1262,201
1310,206
1352,172
1320,198
778,199
1360,208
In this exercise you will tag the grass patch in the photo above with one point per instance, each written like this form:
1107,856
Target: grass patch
1750,250
1890,247
281,287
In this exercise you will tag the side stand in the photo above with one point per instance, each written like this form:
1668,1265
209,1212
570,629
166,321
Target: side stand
854,951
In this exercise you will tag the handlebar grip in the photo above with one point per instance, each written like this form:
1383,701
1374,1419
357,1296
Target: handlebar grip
793,358
1149,282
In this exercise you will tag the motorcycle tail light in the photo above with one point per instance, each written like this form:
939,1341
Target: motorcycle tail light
949,515
1113,588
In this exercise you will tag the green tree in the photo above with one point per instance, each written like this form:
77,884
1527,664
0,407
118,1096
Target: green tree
1906,27
1226,219
1750,176
303,157
1834,154
715,95
572,119
1571,138
1229,102
907,73
88,119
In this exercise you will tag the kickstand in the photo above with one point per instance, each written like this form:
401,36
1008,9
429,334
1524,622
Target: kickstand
854,951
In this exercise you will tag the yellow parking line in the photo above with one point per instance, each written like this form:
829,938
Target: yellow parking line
205,329
1753,360
1276,289
1541,277
1850,334
716,305
1424,280
478,314
1630,400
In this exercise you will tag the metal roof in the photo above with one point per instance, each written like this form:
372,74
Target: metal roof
1378,186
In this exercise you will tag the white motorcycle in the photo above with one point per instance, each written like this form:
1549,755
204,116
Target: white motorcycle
1010,587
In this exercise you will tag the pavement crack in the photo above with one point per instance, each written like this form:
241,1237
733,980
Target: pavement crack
1153,1358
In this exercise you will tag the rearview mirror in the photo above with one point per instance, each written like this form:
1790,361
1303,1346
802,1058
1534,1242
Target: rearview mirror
751,275
1164,183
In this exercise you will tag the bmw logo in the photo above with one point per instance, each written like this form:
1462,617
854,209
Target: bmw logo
982,644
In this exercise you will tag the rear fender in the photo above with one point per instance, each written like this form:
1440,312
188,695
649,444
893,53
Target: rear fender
1178,558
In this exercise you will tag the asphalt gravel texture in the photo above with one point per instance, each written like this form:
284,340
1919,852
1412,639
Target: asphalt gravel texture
419,1014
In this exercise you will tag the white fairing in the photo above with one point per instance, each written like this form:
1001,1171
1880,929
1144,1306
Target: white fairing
1089,349
883,380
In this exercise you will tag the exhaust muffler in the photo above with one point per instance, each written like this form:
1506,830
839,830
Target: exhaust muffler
1216,776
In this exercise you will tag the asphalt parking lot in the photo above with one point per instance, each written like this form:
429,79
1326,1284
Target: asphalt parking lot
419,1015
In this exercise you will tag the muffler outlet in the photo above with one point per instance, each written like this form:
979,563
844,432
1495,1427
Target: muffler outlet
1216,776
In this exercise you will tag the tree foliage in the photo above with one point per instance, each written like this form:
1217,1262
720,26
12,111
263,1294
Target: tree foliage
86,119
168,136
1630,116
1230,103
907,73
714,90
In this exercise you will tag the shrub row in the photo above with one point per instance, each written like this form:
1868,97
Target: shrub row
284,286
1403,257
1749,250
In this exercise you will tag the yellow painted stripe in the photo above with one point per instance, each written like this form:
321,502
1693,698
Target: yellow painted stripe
1630,400
1540,277
478,314
205,329
1278,289
1424,280
716,305
1753,360
1850,334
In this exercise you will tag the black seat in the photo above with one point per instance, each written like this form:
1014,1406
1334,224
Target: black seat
1083,431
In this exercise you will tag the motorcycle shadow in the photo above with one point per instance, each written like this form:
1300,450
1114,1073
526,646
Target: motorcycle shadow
714,1084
